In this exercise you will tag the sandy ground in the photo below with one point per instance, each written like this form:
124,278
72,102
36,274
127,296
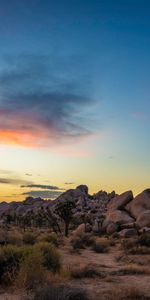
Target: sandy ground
106,263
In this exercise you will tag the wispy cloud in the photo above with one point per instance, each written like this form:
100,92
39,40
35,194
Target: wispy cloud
13,181
42,104
43,194
42,186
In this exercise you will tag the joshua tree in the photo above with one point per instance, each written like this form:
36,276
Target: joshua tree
65,211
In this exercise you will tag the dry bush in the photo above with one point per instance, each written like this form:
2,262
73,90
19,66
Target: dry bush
101,245
135,246
85,271
51,256
29,238
144,239
3,234
82,241
10,257
126,294
60,292
32,272
15,238
50,238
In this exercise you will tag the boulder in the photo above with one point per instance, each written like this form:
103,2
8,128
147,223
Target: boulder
143,219
140,203
144,229
80,230
120,201
117,216
111,228
83,189
126,233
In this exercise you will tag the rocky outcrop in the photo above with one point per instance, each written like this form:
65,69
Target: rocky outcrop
102,211
120,201
140,204
118,217
144,219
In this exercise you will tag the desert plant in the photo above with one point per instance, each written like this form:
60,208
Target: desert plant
15,238
10,257
65,211
51,257
86,271
51,238
101,245
83,240
144,239
32,271
29,238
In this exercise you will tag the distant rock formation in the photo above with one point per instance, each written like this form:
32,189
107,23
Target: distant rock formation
106,212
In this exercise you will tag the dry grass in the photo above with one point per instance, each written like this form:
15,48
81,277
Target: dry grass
126,294
132,269
86,271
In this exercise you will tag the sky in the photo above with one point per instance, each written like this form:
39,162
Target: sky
74,96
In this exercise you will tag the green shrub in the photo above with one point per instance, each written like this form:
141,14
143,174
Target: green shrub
29,238
51,257
10,257
32,271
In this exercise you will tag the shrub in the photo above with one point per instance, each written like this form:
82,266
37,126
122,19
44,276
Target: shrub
101,245
15,238
60,292
81,241
32,271
85,272
144,239
29,238
51,238
51,257
10,257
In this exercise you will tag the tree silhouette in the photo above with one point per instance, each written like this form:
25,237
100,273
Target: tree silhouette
65,211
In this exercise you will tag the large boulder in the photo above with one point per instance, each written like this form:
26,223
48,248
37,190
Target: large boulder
118,217
144,219
140,204
120,201
111,228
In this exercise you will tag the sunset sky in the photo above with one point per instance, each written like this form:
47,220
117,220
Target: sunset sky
74,96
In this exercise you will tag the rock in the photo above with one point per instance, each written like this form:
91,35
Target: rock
144,219
144,229
126,233
80,230
140,203
111,228
117,216
120,201
129,225
83,188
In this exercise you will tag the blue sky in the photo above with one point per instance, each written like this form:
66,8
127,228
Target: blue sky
74,90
